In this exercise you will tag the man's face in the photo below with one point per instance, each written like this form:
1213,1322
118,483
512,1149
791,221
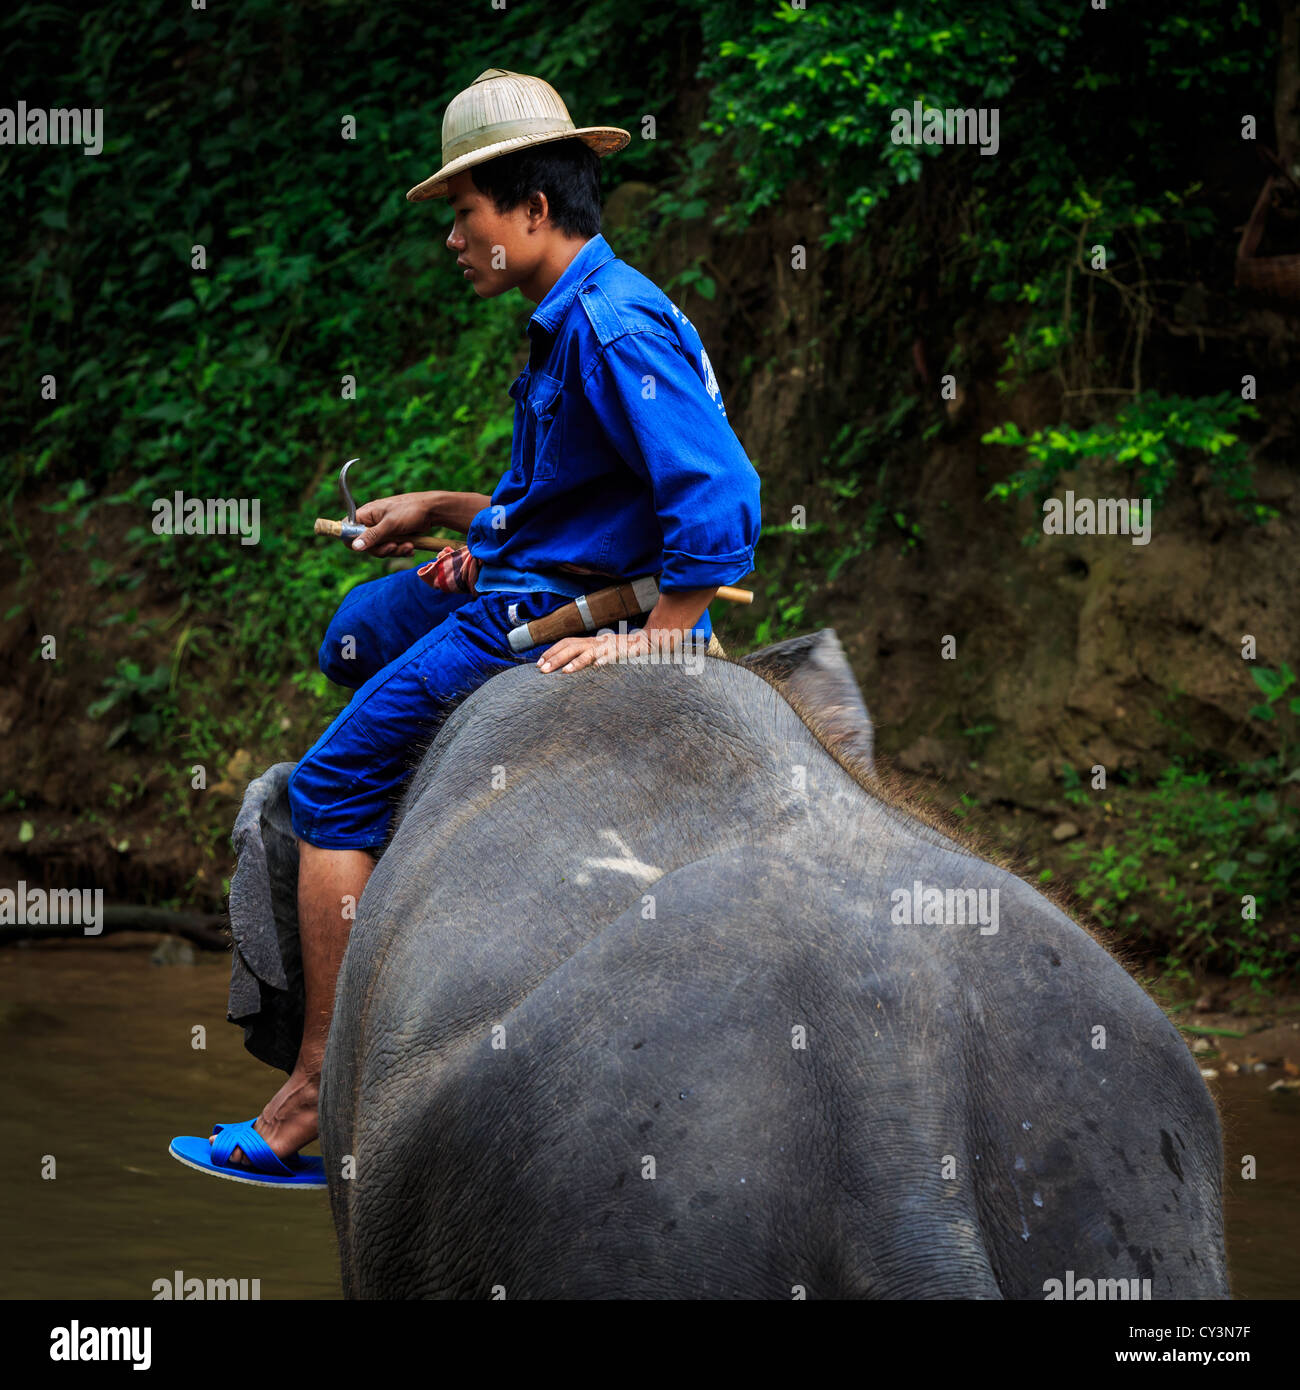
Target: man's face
494,249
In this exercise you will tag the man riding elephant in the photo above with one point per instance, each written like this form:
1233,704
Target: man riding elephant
623,464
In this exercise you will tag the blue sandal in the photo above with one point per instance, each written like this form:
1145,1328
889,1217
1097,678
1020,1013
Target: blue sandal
264,1168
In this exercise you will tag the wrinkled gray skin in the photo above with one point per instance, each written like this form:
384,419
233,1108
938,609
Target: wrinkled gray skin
776,1168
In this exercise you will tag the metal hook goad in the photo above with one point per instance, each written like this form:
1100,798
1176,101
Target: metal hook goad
351,527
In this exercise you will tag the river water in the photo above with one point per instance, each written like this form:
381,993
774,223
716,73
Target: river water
100,1071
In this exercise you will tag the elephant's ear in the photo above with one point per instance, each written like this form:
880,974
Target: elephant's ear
815,671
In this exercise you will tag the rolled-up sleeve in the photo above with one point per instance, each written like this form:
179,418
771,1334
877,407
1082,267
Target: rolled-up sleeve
658,414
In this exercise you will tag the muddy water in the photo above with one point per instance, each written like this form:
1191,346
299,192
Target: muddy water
99,1071
1262,1213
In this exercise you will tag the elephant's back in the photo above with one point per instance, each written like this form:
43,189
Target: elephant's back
665,1114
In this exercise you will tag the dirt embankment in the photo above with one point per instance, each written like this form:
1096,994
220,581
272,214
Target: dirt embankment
1076,649
81,807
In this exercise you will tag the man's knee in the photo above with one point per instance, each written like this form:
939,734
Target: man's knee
338,659
342,656
377,621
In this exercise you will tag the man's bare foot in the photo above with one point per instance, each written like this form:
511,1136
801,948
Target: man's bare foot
289,1120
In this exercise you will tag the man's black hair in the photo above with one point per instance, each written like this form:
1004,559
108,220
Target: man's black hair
567,171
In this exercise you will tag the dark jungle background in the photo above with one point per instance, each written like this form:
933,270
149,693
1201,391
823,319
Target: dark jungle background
951,355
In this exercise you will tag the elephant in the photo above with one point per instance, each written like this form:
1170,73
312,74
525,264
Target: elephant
661,990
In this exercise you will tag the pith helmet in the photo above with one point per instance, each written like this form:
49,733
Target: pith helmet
502,111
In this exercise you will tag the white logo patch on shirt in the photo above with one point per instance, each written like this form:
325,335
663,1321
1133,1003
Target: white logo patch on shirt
710,381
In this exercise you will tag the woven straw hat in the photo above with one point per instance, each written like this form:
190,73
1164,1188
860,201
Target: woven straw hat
502,111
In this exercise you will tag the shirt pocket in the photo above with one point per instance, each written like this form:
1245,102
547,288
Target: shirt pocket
546,421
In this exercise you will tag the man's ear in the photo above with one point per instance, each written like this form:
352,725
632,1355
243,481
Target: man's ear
539,210
814,671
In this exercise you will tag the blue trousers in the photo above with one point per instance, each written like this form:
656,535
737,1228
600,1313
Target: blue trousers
411,653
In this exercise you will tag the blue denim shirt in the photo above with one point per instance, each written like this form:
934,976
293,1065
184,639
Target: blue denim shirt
622,459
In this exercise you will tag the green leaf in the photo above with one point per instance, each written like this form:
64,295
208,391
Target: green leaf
169,412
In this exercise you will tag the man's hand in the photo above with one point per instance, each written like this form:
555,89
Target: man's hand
671,623
389,519
574,653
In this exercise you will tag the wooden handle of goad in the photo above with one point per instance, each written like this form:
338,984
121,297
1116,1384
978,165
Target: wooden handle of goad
325,527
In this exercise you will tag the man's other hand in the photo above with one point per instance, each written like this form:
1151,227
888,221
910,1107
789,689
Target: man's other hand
573,653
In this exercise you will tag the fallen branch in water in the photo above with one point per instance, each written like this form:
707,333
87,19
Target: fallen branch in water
210,930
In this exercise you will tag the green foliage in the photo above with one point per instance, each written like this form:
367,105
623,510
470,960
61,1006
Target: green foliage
139,700
1286,717
807,97
1188,855
1151,442
1104,238
794,89
1073,788
227,380
784,613
857,444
